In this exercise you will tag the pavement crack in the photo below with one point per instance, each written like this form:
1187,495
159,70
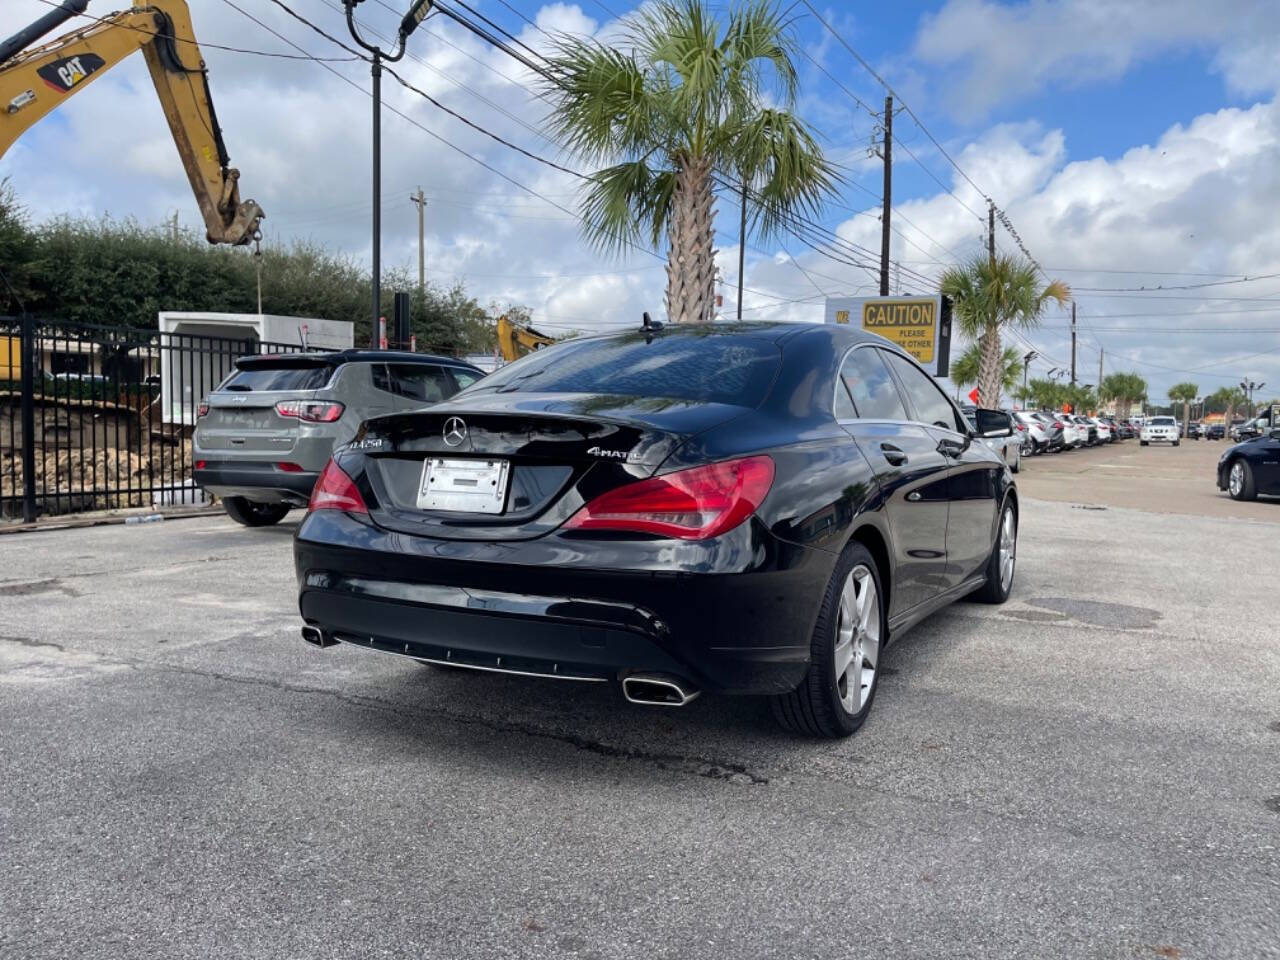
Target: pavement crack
32,642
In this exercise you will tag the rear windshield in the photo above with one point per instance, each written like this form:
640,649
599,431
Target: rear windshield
712,368
283,378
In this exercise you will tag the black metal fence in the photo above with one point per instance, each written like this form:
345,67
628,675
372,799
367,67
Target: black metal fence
95,417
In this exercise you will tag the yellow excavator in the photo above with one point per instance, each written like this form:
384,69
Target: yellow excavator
515,340
37,80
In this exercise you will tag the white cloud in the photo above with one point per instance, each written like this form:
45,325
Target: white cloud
1005,52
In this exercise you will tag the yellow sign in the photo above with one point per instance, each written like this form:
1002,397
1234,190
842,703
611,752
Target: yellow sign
842,316
910,323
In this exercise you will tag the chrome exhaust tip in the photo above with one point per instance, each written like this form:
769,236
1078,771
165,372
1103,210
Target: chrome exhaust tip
654,690
317,637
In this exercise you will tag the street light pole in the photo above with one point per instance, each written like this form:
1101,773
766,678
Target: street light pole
417,13
1026,362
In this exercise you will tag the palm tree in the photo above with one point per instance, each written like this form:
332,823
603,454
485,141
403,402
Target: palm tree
965,369
1228,398
989,293
1184,393
1125,389
682,99
1047,394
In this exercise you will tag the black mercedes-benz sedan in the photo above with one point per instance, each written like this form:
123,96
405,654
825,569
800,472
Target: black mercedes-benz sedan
742,508
1252,467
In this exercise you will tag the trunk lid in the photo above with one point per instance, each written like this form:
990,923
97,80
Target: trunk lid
561,450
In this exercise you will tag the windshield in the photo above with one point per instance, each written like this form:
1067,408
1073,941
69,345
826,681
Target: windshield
695,366
279,378
1161,421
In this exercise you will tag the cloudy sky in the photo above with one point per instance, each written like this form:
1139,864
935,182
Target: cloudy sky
1134,144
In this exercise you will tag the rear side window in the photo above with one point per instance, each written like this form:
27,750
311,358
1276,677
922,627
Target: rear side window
283,378
931,404
873,390
463,378
420,381
698,367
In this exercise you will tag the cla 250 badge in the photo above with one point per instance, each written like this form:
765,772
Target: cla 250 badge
63,75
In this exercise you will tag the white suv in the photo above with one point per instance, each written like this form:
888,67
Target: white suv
1159,430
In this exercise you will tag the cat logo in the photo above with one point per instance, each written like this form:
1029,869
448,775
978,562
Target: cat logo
66,74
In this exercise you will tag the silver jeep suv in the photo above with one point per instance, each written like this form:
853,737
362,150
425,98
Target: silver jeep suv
265,433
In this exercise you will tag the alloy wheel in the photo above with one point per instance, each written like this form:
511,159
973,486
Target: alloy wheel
1008,549
857,651
1236,480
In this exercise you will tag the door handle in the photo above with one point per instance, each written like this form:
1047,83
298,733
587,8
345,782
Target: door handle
893,454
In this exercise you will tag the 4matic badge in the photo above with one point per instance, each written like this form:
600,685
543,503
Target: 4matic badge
608,454
65,74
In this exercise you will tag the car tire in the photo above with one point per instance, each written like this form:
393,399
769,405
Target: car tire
1002,564
1143,442
1240,483
852,623
251,514
1176,442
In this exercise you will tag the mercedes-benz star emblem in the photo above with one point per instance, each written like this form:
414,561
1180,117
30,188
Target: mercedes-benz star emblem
455,431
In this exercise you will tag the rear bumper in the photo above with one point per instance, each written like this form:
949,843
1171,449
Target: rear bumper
537,612
261,482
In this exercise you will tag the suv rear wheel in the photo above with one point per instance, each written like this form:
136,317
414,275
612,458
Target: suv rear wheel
252,514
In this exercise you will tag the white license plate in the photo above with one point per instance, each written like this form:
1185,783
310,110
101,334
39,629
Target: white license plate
464,486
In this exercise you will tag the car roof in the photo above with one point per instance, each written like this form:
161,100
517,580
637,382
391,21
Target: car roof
336,358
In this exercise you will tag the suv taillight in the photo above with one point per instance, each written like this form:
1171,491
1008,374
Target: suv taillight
312,411
694,504
202,411
336,491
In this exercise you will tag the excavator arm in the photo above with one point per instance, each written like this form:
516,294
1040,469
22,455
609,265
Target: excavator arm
515,340
35,81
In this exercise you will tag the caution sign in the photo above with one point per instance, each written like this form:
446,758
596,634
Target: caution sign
919,325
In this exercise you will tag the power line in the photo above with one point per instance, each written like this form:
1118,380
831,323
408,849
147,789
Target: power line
203,43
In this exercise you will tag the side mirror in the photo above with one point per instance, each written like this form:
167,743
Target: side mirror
993,423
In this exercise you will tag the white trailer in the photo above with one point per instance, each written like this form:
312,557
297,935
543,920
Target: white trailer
198,349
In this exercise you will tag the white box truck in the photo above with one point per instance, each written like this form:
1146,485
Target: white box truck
198,349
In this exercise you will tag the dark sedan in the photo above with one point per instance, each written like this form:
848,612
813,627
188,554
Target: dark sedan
1252,467
751,509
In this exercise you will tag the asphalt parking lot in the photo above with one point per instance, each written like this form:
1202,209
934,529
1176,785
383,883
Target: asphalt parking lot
1092,770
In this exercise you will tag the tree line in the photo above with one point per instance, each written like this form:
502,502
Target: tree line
121,273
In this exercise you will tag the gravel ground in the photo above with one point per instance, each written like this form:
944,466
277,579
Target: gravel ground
1092,770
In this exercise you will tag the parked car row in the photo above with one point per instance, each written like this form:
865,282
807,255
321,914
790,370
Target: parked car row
1044,432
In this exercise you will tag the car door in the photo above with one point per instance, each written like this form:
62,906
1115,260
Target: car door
972,476
911,471
1265,461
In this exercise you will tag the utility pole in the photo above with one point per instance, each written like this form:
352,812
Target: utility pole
173,227
421,201
991,231
1026,364
1073,342
1100,355
742,245
887,155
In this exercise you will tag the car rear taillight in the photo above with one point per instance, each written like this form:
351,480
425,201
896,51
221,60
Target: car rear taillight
201,464
694,504
288,467
202,411
336,491
312,411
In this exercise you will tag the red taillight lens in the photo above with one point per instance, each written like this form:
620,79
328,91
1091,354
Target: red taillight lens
202,411
289,467
201,464
694,504
336,491
313,411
